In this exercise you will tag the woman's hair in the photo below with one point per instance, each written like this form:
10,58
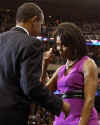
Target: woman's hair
71,36
27,11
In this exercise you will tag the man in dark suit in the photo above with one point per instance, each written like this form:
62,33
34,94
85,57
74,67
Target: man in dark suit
20,68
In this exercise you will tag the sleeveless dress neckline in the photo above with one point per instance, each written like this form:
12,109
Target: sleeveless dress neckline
85,57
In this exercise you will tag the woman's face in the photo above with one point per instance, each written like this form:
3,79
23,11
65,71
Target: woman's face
63,50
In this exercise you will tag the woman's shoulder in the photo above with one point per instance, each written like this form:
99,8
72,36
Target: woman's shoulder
89,61
61,67
85,62
89,64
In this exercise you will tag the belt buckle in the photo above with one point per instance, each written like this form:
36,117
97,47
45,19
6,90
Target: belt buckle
64,96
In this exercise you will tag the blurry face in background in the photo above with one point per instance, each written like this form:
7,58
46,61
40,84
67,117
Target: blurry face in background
63,50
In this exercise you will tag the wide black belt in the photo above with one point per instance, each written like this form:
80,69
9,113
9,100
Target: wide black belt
72,94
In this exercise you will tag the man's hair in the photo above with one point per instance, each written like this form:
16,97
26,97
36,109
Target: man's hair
27,11
71,36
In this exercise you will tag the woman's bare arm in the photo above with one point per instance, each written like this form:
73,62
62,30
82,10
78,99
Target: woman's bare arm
90,85
52,82
47,58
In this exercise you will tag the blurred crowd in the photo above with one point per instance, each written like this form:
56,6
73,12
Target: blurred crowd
7,19
40,116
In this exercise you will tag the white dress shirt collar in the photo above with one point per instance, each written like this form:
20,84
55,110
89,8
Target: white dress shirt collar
23,29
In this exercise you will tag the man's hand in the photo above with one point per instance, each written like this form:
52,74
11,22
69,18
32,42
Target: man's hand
66,109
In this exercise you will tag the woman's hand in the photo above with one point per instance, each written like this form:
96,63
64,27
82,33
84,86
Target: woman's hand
48,56
66,109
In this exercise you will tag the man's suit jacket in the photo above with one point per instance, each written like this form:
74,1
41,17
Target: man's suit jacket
20,68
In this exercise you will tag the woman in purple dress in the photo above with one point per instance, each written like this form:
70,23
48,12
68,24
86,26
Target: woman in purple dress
76,80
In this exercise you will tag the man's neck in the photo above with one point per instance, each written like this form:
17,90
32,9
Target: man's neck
24,27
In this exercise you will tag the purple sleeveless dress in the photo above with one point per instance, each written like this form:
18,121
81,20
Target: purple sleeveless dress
73,81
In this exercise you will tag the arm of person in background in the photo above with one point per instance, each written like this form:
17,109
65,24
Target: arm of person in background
90,85
31,65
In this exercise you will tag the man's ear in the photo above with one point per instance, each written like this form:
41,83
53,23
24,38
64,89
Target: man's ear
34,19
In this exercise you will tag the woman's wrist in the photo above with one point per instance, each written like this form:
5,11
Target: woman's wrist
66,108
